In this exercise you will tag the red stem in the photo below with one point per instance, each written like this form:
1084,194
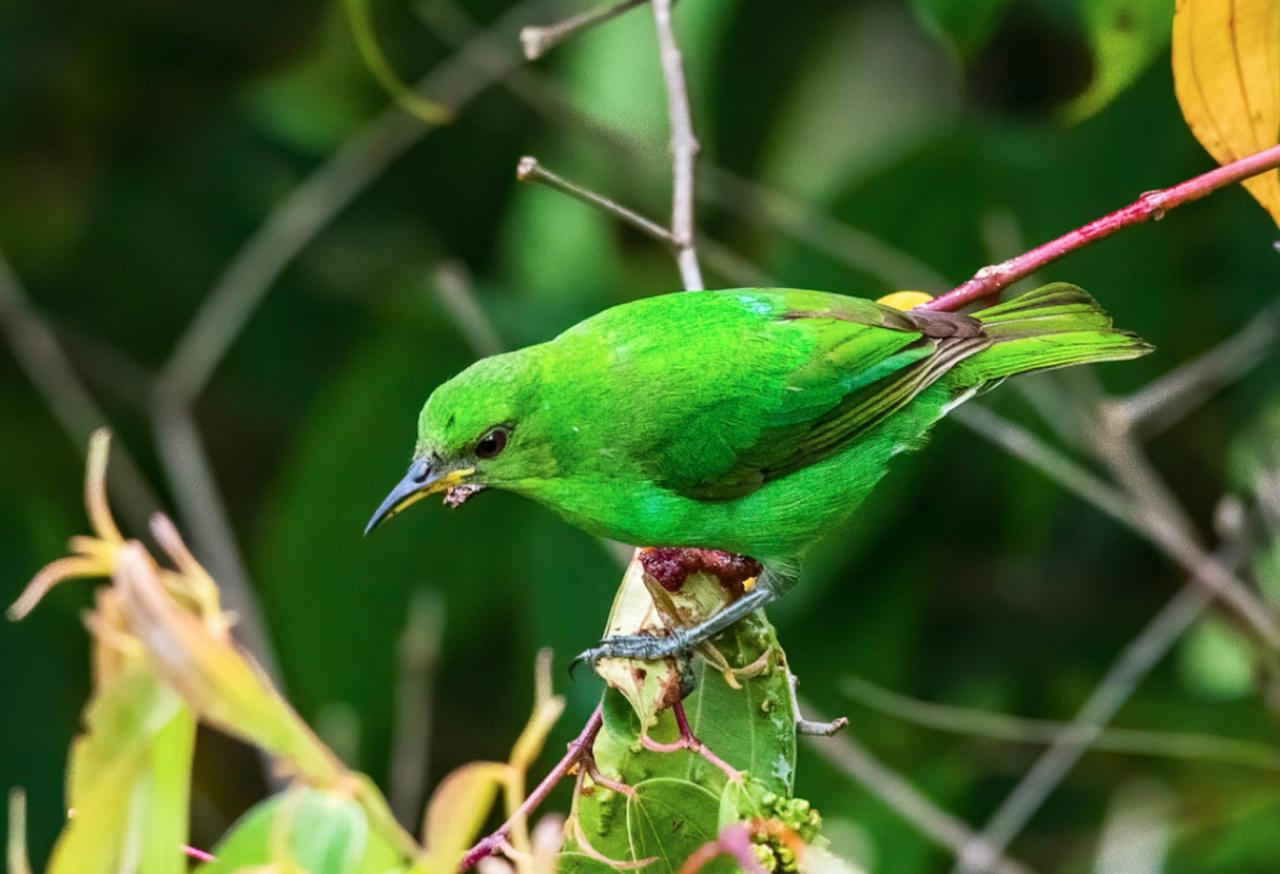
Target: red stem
1153,204
579,747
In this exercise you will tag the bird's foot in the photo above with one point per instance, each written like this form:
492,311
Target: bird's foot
641,647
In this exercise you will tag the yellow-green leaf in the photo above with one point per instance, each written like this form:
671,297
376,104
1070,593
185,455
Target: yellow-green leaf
1226,74
457,810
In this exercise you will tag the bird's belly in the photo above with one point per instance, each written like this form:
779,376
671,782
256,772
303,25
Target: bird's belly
778,521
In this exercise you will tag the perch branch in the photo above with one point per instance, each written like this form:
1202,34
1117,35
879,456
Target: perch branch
689,741
1151,205
538,40
684,147
579,748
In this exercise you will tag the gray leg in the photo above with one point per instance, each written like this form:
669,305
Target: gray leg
648,647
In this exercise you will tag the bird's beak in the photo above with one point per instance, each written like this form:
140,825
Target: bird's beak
421,480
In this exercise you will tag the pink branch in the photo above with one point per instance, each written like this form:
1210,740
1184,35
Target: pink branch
579,748
1152,205
691,743
734,841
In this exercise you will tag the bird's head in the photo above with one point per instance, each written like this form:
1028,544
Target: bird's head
482,428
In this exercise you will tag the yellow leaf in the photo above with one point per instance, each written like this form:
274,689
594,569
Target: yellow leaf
457,810
905,300
1226,75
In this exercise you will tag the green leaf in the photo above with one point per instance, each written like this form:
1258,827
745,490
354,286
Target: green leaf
669,818
1125,36
681,799
1216,661
318,832
962,25
129,781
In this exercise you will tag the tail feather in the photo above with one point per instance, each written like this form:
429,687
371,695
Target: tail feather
1057,325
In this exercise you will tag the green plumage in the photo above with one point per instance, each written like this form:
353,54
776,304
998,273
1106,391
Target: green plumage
749,420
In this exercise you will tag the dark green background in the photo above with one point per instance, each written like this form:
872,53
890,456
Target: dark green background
141,143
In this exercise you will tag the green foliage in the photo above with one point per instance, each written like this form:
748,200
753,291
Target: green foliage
1125,36
963,25
680,799
164,135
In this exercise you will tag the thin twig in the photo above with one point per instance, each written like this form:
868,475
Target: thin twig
41,357
689,741
684,147
419,655
748,200
538,40
529,169
973,722
1151,205
578,747
854,760
733,841
1163,402
719,257
1129,669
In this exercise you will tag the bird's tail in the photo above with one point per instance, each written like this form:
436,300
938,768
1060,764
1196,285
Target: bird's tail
1056,325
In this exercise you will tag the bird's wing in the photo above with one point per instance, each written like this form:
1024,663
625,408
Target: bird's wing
864,363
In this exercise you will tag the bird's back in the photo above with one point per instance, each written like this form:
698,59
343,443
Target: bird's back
752,419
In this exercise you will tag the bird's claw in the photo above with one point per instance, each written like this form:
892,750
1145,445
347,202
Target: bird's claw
640,647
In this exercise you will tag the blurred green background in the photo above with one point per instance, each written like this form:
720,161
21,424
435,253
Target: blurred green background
143,143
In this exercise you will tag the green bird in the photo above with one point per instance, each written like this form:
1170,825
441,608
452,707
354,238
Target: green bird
745,420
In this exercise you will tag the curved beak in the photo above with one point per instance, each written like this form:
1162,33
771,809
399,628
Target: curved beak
422,479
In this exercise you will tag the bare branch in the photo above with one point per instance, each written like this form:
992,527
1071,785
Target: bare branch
748,200
529,169
1163,402
1017,729
721,258
1129,669
579,748
855,761
684,147
538,40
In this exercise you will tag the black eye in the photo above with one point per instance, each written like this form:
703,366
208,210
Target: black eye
492,443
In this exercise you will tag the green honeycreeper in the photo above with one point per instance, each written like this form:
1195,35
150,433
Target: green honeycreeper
745,420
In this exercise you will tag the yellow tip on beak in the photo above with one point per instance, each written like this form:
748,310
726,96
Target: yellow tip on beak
417,484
